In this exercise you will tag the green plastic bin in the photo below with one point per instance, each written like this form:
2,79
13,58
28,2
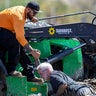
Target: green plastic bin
18,86
35,89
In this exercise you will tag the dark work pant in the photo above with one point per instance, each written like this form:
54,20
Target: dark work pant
26,64
9,43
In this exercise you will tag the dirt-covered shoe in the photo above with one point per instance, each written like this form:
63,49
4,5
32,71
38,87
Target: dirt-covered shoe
16,73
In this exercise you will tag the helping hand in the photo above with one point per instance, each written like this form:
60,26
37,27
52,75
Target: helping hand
36,53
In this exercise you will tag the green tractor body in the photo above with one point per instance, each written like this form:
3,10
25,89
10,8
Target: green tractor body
58,46
18,86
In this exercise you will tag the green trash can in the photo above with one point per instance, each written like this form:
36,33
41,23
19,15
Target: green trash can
35,89
17,86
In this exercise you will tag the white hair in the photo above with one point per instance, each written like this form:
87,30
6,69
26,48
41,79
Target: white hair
44,66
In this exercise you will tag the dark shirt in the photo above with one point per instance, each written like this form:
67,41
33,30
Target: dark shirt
57,78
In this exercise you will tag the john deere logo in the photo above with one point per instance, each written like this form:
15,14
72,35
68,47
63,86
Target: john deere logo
51,31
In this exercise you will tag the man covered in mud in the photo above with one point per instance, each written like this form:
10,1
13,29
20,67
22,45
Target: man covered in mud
61,82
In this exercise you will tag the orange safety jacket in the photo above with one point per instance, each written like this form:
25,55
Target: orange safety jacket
13,19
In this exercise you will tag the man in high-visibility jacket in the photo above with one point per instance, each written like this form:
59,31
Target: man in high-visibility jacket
13,41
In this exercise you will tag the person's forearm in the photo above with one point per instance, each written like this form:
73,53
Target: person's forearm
28,48
61,90
35,52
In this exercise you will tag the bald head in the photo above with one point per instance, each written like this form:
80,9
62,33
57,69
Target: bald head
45,69
45,66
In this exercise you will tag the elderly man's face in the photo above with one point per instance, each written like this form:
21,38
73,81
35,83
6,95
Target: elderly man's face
44,74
